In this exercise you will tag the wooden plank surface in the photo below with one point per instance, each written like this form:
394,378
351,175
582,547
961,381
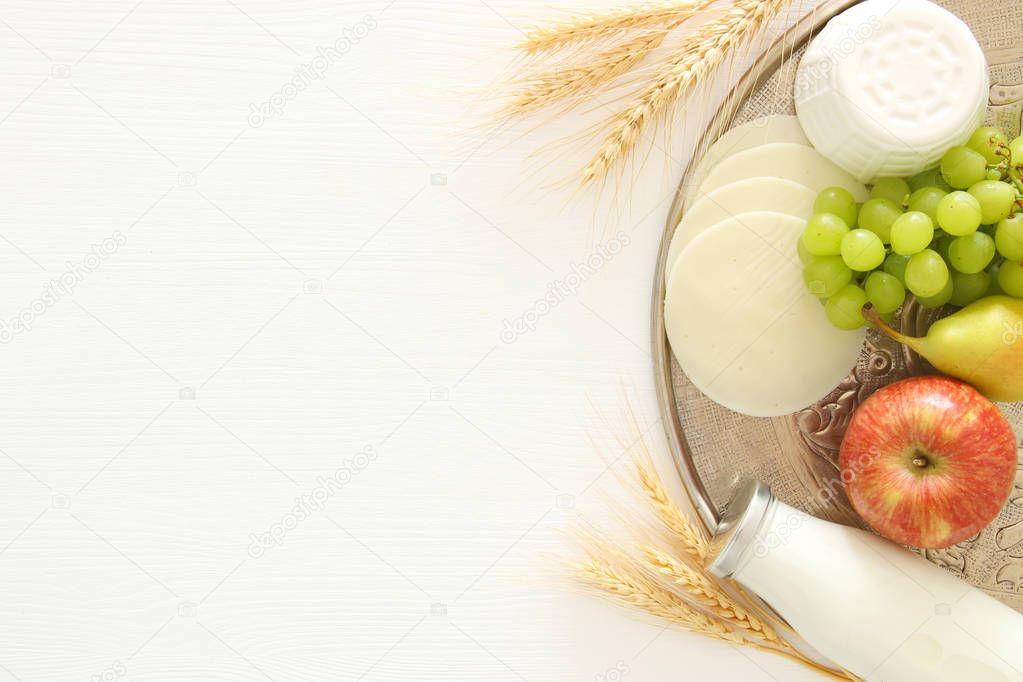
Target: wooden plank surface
246,303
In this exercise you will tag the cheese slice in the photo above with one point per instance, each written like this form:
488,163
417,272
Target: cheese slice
742,326
780,128
787,161
753,194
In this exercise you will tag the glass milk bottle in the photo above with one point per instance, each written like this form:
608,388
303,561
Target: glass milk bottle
867,604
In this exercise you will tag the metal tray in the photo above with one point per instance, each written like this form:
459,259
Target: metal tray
715,449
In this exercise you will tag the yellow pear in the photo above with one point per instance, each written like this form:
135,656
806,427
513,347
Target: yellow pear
982,344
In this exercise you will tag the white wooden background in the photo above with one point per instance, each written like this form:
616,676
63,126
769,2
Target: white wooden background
219,308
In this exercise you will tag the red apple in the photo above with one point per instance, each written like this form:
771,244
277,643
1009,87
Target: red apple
928,461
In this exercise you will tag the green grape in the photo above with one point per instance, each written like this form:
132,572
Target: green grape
862,250
837,201
1010,278
877,215
823,234
993,174
972,253
885,292
926,274
895,189
959,213
962,167
912,233
939,299
825,275
969,288
1016,150
926,200
1009,237
986,141
1016,158
929,178
804,255
996,200
895,265
845,308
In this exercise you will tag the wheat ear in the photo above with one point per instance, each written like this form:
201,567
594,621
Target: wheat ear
688,539
691,66
544,89
628,582
585,29
673,584
691,539
711,594
713,597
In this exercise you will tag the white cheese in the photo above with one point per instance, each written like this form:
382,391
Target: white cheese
784,160
889,85
742,326
752,194
754,133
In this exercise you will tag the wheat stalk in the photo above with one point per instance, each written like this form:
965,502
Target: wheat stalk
713,596
674,585
547,88
582,30
628,581
691,65
690,538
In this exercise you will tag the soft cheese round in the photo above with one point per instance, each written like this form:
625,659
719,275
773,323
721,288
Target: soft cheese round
889,85
742,326
753,194
785,160
764,130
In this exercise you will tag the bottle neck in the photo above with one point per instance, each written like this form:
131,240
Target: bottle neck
740,529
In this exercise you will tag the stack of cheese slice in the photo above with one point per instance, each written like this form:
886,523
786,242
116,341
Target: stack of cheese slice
737,315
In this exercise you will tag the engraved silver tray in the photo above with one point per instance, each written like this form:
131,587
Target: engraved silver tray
715,449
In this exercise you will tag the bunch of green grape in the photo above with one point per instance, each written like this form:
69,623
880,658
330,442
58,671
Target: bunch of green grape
948,236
